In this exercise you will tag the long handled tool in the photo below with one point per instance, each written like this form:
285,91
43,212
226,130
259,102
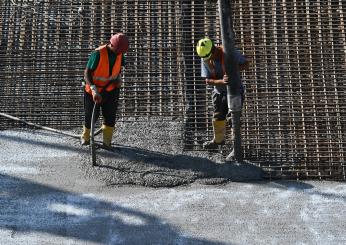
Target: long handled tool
44,127
92,135
93,119
39,126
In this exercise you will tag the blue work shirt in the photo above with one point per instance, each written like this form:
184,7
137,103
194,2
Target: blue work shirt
207,73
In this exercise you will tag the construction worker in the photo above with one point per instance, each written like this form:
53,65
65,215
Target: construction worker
212,69
102,77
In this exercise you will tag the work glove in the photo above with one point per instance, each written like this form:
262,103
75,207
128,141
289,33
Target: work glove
97,98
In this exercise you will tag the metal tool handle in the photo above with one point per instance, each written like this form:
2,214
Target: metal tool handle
92,135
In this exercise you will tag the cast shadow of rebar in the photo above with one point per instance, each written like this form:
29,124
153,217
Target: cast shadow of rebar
306,188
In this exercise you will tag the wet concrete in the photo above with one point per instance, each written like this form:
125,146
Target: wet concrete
151,154
148,153
50,194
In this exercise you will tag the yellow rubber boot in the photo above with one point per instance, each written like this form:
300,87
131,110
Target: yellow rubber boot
107,135
219,131
219,128
85,137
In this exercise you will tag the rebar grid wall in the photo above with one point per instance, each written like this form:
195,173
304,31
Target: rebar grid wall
295,110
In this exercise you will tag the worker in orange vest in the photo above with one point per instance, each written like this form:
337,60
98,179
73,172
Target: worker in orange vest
103,82
213,71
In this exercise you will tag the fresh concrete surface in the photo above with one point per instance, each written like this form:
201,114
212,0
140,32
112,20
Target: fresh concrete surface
51,195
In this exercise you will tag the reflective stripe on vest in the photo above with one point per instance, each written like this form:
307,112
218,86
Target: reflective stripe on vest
101,76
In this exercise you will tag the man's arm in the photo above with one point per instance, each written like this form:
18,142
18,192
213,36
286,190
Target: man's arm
205,73
88,76
91,66
223,81
89,80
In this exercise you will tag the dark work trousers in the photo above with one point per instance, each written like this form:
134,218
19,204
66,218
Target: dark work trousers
220,106
109,106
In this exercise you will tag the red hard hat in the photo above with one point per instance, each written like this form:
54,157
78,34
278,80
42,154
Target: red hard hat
120,42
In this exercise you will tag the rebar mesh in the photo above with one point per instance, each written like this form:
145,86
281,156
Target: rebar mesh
294,115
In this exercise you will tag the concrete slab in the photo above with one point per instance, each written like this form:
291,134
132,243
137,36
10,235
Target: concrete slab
49,194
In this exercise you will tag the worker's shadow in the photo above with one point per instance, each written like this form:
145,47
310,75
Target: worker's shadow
29,208
199,166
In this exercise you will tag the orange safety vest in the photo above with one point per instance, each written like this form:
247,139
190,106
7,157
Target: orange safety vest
212,67
101,74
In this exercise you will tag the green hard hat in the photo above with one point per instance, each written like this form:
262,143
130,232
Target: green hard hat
204,48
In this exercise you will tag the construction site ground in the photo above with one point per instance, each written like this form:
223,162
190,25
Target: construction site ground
147,190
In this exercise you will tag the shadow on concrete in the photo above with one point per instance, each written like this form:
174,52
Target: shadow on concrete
203,167
182,168
46,144
291,185
306,188
28,207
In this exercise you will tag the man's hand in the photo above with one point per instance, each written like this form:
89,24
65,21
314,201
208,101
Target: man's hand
97,98
223,81
208,81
